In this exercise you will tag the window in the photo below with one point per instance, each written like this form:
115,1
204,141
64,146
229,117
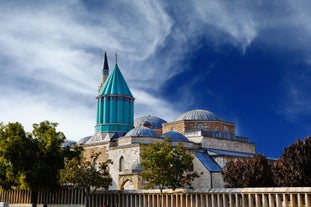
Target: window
121,164
200,126
225,128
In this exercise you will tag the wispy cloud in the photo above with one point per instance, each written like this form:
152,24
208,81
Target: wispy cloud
51,52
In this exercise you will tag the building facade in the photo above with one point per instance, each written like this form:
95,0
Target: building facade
118,136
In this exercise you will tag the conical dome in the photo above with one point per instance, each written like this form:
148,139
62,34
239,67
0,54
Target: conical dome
115,84
115,105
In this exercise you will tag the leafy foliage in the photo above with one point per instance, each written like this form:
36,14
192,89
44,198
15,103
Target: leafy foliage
34,158
166,166
293,169
30,160
249,172
86,174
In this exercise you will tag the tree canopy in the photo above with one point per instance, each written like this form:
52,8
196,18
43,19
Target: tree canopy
31,160
166,166
293,169
249,172
88,175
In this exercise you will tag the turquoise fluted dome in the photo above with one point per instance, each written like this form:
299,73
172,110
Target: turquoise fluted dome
115,105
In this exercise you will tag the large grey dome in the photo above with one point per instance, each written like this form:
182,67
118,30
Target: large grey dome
197,114
141,132
175,136
155,122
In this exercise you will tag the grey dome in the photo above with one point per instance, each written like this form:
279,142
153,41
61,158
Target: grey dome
83,140
136,167
175,136
197,114
69,143
156,122
141,131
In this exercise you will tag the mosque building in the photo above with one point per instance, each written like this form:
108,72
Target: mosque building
118,136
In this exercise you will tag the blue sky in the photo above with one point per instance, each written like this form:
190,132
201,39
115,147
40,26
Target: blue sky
249,62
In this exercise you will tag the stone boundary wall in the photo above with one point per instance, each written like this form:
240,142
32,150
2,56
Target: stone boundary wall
216,197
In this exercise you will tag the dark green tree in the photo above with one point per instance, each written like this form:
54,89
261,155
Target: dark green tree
293,169
31,160
249,172
165,166
88,175
233,172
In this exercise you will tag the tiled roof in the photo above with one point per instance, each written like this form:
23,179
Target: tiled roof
115,84
210,164
229,153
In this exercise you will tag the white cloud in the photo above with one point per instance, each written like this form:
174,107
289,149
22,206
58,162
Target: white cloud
146,104
57,46
75,119
296,102
232,18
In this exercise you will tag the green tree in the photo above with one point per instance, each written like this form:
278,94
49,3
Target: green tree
249,172
88,175
31,160
233,172
293,169
166,166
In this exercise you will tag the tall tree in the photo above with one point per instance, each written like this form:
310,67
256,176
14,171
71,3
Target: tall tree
33,159
294,167
166,166
249,172
88,175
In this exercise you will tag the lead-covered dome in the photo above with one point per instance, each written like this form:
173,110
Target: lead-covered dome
198,114
141,131
155,122
175,136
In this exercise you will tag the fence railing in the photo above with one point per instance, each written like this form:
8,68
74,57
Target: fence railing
222,197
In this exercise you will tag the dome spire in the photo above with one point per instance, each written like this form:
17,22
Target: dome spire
116,58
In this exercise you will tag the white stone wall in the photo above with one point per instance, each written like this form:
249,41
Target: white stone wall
207,179
230,145
204,180
131,156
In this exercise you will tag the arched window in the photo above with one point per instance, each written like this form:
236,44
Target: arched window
200,126
121,164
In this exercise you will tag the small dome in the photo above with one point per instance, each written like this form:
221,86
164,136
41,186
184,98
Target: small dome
175,136
136,167
69,143
83,140
141,131
156,122
198,114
